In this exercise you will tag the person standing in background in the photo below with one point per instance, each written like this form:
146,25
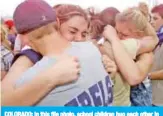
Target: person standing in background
143,7
157,15
157,71
6,53
157,21
11,31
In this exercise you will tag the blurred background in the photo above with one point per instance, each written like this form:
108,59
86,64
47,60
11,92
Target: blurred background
8,6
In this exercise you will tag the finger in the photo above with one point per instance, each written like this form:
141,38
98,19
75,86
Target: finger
105,62
78,71
77,65
75,59
110,66
111,70
104,57
108,59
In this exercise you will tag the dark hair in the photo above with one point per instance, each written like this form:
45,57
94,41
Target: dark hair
66,11
100,20
158,9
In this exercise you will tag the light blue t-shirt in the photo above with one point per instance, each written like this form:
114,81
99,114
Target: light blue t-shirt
93,87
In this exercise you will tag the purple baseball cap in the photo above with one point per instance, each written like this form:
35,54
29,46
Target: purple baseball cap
33,14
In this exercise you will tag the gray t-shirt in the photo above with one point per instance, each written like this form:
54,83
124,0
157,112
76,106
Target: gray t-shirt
93,87
157,85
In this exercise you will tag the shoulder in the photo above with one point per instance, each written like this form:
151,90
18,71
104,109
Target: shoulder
82,44
87,53
87,47
30,54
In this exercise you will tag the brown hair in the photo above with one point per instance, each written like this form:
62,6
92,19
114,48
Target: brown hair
100,20
63,12
158,9
66,11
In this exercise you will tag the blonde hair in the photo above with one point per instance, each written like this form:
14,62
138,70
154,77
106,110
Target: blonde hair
136,17
4,40
143,7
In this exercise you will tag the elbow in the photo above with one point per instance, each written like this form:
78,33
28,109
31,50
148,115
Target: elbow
155,42
134,82
135,79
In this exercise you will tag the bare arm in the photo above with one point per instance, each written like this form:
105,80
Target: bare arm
20,96
132,72
144,63
147,44
3,73
126,65
157,75
21,65
34,90
64,71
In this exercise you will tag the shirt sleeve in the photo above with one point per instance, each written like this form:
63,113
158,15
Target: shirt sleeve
29,53
132,46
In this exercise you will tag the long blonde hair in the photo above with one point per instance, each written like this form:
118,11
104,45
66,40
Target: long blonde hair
135,16
4,40
141,23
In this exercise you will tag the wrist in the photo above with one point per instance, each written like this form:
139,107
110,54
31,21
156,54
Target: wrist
114,40
52,77
55,77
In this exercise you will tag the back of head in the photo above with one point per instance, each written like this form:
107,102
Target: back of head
158,9
96,25
136,17
66,11
56,6
33,14
107,16
100,20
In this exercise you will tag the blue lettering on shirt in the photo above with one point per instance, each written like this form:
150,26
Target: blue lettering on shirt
102,92
95,95
84,99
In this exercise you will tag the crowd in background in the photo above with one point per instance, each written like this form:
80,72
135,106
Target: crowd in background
114,58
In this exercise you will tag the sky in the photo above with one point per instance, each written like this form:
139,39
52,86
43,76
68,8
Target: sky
8,6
